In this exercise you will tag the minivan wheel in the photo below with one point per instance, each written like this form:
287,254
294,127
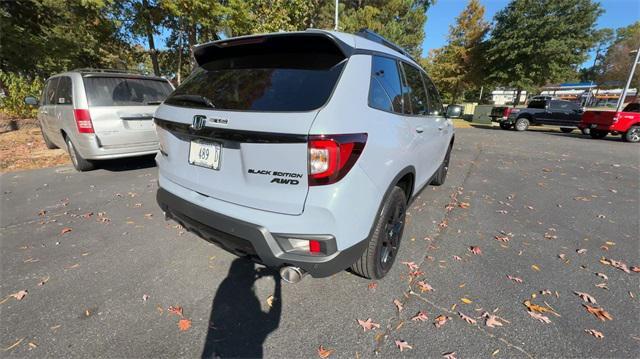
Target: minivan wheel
76,159
632,134
566,129
522,124
441,173
50,145
384,244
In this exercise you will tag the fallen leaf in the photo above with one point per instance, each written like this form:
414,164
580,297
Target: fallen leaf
620,265
466,300
635,269
145,297
467,318
42,212
581,251
33,345
491,320
539,317
65,230
43,281
412,266
537,308
441,320
535,267
515,279
372,286
495,352
324,353
184,324
464,205
421,316
586,297
402,345
602,275
270,300
368,324
595,333
13,345
175,310
457,258
603,286
398,305
475,250
504,239
599,312
20,294
449,355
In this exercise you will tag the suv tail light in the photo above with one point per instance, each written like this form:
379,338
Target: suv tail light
332,156
83,120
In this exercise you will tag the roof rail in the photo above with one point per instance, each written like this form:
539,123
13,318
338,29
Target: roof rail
375,37
127,71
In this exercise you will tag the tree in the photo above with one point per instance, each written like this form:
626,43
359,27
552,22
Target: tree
457,66
536,42
592,73
617,60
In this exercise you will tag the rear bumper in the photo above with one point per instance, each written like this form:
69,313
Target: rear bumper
609,127
251,240
91,149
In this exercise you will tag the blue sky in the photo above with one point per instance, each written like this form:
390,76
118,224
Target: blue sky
618,13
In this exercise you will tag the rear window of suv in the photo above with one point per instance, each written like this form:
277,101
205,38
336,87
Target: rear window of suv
266,79
123,91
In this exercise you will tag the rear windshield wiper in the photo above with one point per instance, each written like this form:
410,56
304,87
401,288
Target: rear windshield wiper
197,99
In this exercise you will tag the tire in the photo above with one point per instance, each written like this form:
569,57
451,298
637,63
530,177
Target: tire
50,145
632,135
77,160
566,129
522,124
378,258
505,126
597,134
585,131
441,173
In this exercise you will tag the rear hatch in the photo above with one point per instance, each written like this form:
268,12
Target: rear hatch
236,129
121,108
603,118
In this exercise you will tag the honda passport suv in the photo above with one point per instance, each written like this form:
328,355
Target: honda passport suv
100,114
302,150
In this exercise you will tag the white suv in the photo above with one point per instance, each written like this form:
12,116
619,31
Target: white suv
302,150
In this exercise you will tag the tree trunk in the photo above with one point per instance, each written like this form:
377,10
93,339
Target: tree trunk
192,38
152,46
516,101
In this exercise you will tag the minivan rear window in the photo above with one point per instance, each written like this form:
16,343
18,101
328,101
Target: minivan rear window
123,91
266,79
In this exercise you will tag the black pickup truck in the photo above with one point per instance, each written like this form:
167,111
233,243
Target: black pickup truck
554,112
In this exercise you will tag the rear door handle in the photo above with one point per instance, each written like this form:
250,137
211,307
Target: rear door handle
419,130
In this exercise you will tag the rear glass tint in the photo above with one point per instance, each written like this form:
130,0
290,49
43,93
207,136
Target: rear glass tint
537,104
268,77
122,91
632,107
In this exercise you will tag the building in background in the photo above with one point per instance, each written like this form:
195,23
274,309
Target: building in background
502,96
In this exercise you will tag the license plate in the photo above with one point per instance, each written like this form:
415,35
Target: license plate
205,154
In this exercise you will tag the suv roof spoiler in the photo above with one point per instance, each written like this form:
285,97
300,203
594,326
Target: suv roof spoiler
375,37
128,71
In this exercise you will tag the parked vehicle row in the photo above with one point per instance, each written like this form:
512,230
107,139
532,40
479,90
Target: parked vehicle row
569,116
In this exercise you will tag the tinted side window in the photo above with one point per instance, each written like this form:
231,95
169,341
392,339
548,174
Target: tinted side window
415,90
63,93
541,104
435,104
50,92
385,76
43,97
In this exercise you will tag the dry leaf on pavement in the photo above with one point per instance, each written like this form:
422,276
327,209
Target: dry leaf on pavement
421,316
449,355
175,310
586,297
475,250
467,318
599,312
424,286
539,317
398,305
20,294
515,279
65,230
466,300
412,266
368,324
324,353
402,345
595,333
184,324
491,320
441,320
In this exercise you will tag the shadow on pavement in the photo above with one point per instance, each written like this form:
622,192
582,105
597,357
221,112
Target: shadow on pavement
127,164
238,326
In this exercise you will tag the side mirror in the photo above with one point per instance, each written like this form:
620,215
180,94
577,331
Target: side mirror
31,101
454,111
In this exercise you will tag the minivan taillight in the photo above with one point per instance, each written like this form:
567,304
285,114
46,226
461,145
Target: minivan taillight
332,156
83,120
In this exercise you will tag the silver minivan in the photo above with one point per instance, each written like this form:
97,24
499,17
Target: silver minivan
100,114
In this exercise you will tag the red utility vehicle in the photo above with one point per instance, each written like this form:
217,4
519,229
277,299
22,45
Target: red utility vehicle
625,123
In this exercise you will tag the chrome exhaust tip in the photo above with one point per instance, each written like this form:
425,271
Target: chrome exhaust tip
291,274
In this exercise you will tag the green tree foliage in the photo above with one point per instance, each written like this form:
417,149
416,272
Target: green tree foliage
617,60
47,36
16,88
457,67
536,42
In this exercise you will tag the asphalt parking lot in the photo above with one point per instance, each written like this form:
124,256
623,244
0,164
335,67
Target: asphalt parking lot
548,215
